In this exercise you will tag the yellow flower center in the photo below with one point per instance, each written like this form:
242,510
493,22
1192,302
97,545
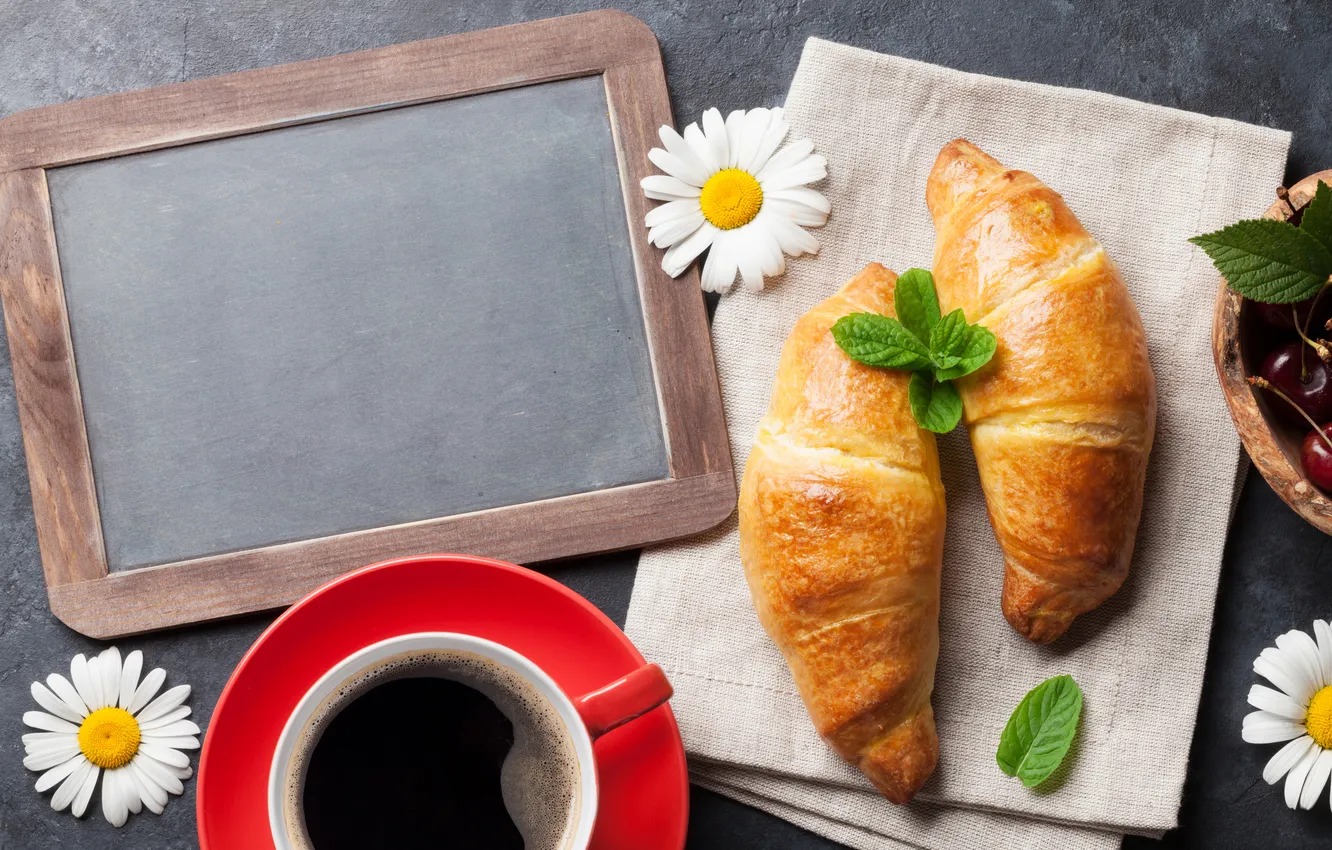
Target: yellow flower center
731,198
109,737
1319,721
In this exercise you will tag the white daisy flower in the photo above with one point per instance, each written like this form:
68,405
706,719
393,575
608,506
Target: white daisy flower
107,721
1299,712
727,187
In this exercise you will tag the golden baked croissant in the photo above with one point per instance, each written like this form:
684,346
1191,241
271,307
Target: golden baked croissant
1062,417
841,536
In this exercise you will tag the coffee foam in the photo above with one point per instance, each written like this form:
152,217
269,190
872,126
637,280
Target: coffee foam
539,780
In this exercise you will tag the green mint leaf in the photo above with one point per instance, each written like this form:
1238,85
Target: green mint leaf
1270,261
1040,731
917,303
976,351
949,337
1317,218
880,341
936,406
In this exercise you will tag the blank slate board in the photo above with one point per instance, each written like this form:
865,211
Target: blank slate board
269,327
344,325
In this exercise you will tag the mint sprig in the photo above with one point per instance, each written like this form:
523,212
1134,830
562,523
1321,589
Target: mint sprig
1040,731
1274,261
936,348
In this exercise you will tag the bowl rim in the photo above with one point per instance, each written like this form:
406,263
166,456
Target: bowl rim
1285,478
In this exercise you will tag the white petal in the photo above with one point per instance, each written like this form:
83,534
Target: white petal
1302,648
176,714
772,139
668,233
165,755
129,678
702,150
811,198
792,239
748,258
115,808
56,775
678,257
39,737
1284,672
714,130
61,687
78,673
670,212
176,742
48,742
54,704
130,789
111,667
735,123
1298,773
663,187
1317,779
808,170
154,796
158,773
1260,727
179,727
678,148
1276,702
752,133
80,804
720,269
1323,632
771,258
95,682
69,789
146,690
785,158
47,722
54,757
691,172
1286,758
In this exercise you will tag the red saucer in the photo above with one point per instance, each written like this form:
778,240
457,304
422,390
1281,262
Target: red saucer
644,783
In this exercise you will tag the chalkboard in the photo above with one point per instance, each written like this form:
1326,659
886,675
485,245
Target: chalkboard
343,325
272,326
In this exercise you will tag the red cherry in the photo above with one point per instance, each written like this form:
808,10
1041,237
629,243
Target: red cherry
1316,457
1280,316
1313,394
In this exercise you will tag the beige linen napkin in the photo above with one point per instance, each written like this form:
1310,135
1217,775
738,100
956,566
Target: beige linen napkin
1142,179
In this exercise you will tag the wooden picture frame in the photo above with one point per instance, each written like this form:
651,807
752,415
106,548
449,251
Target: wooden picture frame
83,592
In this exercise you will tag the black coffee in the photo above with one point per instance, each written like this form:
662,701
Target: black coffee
433,749
412,764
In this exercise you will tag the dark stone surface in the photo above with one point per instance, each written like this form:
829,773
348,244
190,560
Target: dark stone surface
1263,62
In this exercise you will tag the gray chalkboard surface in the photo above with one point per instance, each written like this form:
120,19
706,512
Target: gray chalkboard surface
348,324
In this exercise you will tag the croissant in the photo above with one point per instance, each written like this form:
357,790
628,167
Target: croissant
1062,417
841,537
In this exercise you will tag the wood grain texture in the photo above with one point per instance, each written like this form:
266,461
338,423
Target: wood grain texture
1275,451
700,493
46,386
678,334
319,89
243,582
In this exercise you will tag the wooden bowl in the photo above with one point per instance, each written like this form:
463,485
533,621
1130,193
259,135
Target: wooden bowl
1273,446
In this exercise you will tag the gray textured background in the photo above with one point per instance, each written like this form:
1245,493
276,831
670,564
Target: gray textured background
1264,62
439,302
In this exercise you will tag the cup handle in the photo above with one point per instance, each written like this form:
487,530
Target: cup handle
627,698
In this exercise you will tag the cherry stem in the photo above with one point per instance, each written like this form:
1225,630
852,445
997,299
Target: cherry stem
1264,384
1321,350
1313,308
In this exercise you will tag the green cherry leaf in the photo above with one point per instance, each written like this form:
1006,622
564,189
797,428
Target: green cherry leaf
936,406
1269,261
1040,731
1317,218
880,341
917,303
